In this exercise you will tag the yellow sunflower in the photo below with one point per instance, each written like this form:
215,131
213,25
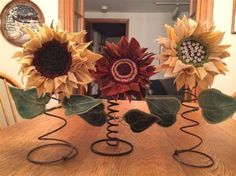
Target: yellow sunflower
192,53
55,61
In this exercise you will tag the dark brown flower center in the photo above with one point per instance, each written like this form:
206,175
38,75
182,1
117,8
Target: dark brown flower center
124,70
192,51
53,59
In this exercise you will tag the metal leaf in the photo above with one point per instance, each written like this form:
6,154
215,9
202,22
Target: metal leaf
28,104
139,120
165,108
88,108
78,104
95,116
216,106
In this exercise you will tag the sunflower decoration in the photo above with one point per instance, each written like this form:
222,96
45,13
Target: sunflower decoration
55,61
124,70
192,53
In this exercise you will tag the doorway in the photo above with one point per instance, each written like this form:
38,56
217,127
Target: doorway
100,30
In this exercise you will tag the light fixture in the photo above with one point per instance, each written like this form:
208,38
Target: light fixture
104,8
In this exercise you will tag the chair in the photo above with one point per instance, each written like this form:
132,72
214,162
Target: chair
8,115
166,87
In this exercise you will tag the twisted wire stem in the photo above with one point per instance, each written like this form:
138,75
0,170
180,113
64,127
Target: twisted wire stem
57,142
111,123
193,149
112,140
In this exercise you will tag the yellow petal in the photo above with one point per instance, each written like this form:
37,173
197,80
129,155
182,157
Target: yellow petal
63,78
190,70
72,77
181,30
40,90
179,66
48,32
180,80
80,75
191,81
18,54
192,26
77,37
49,85
220,66
57,82
165,42
173,61
29,70
213,39
33,44
201,73
169,73
35,81
209,66
30,32
25,61
93,57
72,84
171,34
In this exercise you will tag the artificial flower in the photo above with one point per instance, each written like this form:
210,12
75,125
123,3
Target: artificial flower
55,61
124,70
192,53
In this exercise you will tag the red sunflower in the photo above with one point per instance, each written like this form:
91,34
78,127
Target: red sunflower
124,69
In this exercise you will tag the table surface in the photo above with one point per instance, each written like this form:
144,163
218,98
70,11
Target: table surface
152,153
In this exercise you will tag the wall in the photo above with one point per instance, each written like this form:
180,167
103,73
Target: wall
8,65
222,18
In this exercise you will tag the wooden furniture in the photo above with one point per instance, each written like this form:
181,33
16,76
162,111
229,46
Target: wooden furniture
6,100
152,148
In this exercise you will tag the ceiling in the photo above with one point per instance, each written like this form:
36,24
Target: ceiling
133,5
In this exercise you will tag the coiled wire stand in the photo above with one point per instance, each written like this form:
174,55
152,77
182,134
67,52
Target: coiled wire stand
195,123
58,143
111,141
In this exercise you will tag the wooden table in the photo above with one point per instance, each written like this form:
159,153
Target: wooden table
152,155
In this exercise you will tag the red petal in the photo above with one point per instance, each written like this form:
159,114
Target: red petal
134,48
111,50
123,47
134,86
147,60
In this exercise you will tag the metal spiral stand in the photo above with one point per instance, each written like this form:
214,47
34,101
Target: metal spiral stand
111,140
192,149
58,142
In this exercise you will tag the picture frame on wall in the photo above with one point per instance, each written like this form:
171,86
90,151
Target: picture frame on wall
16,15
233,25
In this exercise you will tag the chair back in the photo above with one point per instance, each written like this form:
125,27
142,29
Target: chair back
166,87
8,113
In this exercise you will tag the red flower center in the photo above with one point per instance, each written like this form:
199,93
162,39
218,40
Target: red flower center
124,70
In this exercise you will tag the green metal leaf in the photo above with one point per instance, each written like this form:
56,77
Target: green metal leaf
95,116
164,107
216,106
139,120
79,104
27,102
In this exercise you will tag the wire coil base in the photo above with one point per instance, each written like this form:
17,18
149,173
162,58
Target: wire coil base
176,155
112,143
58,143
